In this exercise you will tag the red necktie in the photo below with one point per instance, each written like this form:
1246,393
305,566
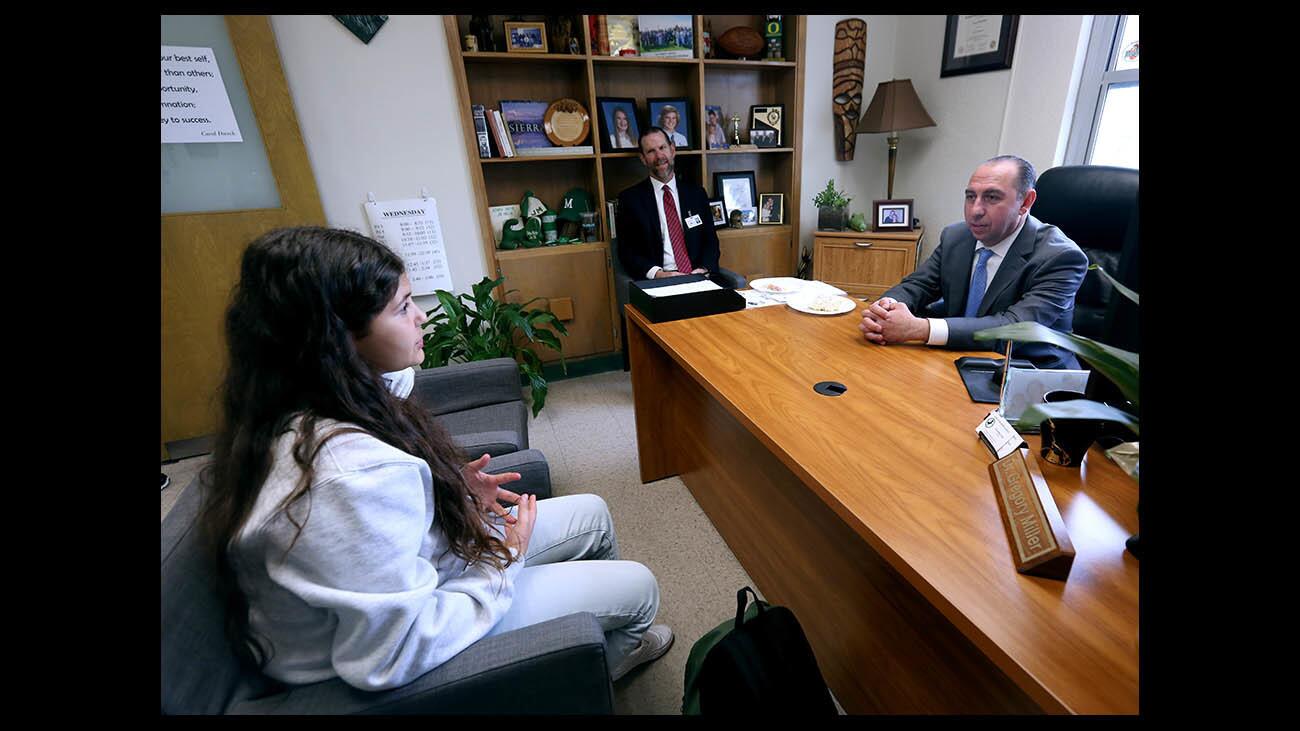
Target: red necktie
675,234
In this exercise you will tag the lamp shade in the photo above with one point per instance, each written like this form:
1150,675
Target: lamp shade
894,107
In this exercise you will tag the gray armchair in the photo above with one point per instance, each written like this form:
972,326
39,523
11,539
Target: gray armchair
481,404
556,667
622,279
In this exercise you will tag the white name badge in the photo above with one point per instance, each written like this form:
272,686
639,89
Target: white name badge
693,221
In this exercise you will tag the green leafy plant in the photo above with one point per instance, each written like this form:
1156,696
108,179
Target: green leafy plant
478,327
831,198
1119,366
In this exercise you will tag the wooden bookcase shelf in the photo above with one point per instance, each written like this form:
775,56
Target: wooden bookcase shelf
577,279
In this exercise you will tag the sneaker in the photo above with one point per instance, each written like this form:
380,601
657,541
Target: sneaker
654,643
166,481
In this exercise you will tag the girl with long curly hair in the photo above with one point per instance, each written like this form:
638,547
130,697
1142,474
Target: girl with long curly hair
353,538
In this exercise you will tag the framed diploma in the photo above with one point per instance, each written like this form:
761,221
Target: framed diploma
976,43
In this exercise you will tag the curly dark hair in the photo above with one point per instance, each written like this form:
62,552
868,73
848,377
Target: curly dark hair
303,295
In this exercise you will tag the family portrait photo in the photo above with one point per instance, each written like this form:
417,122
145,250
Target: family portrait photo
669,36
771,208
529,37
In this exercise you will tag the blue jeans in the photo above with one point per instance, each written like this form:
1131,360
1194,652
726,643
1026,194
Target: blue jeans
572,566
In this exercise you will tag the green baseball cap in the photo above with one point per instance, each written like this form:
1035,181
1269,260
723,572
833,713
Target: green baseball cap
574,204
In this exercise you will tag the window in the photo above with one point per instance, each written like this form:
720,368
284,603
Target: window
1105,126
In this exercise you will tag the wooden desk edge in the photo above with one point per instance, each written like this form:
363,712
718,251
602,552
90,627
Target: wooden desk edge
1014,670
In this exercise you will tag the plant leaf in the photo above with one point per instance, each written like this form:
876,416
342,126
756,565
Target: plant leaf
1077,410
1120,366
1130,294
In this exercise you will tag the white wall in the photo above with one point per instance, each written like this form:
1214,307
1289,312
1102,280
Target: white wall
383,118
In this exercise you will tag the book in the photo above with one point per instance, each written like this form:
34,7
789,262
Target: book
602,35
523,119
622,35
481,131
503,139
557,150
612,208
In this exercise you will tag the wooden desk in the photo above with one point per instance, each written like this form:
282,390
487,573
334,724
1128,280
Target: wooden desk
871,515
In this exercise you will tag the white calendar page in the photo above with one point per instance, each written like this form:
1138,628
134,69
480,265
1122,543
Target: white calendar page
410,227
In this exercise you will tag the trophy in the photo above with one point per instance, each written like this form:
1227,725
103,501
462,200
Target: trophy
735,128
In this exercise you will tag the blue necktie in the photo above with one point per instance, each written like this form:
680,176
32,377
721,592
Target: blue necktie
978,282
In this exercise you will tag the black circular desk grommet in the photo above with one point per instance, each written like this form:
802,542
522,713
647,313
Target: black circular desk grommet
830,388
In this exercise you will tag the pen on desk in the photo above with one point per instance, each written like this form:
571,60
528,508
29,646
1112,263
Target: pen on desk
1006,371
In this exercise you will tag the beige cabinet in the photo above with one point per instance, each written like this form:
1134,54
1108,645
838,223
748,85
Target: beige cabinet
868,263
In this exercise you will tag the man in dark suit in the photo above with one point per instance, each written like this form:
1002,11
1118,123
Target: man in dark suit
1000,266
665,228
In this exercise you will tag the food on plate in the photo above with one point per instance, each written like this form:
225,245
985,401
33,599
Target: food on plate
825,303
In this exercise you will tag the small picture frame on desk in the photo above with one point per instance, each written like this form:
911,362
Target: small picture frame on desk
892,215
526,37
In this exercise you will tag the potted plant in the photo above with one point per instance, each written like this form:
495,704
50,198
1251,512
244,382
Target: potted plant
478,327
1119,366
831,207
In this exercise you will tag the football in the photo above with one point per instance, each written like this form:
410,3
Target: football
741,41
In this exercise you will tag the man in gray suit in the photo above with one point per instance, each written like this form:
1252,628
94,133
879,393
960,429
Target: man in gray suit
1001,266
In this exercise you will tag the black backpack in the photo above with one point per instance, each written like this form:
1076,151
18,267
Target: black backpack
760,663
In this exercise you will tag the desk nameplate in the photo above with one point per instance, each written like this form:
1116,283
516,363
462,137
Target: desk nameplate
1040,545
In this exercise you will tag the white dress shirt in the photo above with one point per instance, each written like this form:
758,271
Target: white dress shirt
938,325
670,260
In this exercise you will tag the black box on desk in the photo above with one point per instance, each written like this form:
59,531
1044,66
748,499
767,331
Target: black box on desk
681,306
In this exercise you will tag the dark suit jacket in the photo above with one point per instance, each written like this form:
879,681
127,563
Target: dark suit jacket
1036,282
641,245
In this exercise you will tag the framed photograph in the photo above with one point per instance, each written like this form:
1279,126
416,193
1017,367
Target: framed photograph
736,190
767,117
893,215
526,37
715,128
618,127
673,116
671,36
748,216
771,208
976,43
719,210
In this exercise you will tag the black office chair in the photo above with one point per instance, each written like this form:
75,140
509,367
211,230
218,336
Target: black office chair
622,279
1097,207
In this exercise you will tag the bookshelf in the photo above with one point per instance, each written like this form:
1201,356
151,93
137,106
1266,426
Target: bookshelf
576,280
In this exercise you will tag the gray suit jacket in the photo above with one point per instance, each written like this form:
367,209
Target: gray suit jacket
1036,282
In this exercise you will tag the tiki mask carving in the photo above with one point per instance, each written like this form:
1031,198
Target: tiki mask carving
850,60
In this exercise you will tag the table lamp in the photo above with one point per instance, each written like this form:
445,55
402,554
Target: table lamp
894,107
